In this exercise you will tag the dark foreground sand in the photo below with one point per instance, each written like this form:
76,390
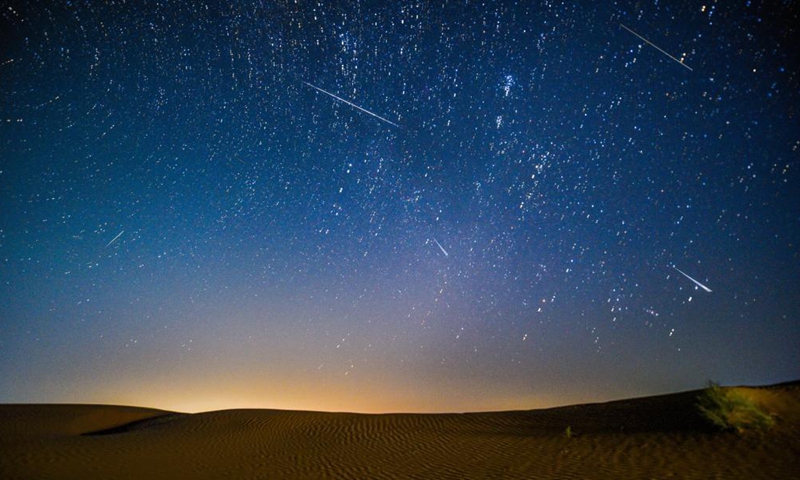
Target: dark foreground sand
654,437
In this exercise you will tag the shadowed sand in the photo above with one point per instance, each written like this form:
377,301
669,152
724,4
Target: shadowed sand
653,437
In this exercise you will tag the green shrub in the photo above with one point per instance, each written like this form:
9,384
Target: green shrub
731,410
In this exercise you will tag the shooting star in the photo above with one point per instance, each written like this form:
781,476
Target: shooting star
115,239
351,104
692,279
441,248
656,47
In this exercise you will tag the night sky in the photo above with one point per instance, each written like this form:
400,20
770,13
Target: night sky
490,215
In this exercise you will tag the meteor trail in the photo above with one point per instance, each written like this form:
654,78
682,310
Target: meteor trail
441,248
115,239
656,47
692,279
351,104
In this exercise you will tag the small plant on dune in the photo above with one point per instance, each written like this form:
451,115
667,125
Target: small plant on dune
730,410
568,432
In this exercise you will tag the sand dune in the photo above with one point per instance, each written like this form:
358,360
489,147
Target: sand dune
654,437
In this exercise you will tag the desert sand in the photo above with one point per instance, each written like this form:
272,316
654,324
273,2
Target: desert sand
644,438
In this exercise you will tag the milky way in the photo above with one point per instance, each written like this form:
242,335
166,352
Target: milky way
478,205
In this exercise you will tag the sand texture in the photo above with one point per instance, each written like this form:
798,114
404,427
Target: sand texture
655,437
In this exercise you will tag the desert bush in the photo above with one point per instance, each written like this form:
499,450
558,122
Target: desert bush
731,410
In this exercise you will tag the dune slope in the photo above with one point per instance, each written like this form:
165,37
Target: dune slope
654,437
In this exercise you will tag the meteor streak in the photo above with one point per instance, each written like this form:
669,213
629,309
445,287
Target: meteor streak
692,279
441,248
656,47
351,104
115,239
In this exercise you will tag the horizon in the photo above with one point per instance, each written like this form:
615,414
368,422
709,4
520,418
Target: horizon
195,410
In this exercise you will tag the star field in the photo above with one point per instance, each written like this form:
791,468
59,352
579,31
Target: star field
410,206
